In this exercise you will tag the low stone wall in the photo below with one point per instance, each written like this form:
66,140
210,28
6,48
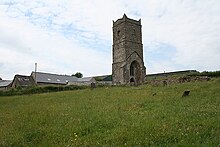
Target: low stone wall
183,79
80,83
104,83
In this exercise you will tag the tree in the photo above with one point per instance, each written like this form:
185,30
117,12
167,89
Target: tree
78,75
0,78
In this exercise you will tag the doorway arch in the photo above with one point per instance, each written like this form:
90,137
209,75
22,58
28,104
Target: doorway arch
132,81
135,72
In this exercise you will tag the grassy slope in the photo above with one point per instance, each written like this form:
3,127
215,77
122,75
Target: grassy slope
114,117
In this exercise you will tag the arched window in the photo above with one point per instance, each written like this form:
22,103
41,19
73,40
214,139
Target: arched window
135,72
118,33
133,68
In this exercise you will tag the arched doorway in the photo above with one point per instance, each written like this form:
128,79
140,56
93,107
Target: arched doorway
135,73
132,82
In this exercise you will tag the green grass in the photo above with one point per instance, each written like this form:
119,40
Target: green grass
114,116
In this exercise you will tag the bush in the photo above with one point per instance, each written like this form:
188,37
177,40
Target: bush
36,89
207,73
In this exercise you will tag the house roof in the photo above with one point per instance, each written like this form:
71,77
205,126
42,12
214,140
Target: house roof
85,79
107,78
5,83
53,78
172,73
24,80
104,78
100,78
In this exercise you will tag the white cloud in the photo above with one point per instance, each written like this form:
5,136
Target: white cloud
23,44
192,27
66,36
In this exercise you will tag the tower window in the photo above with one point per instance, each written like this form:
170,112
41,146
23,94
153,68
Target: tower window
133,32
118,33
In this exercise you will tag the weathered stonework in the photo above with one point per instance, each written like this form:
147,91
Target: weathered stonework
128,66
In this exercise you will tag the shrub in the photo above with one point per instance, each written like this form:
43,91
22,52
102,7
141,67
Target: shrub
207,73
38,89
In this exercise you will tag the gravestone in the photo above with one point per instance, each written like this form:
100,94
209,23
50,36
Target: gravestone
93,85
164,83
186,93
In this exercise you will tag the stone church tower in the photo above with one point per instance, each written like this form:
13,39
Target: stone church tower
128,65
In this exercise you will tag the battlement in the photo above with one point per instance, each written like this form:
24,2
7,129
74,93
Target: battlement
126,19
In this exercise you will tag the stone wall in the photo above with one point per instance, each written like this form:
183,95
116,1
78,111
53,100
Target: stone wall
127,49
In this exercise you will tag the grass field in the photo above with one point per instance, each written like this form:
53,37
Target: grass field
114,116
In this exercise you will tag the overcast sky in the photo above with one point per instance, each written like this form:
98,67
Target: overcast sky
66,36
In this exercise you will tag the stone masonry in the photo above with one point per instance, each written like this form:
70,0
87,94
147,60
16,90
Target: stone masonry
128,66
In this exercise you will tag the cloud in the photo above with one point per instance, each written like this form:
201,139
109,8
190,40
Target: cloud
66,36
22,44
191,29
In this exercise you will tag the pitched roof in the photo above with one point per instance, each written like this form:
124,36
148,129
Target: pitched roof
101,77
53,78
104,78
85,79
107,78
24,80
5,83
174,72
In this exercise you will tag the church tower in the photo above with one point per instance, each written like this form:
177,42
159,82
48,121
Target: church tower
128,65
